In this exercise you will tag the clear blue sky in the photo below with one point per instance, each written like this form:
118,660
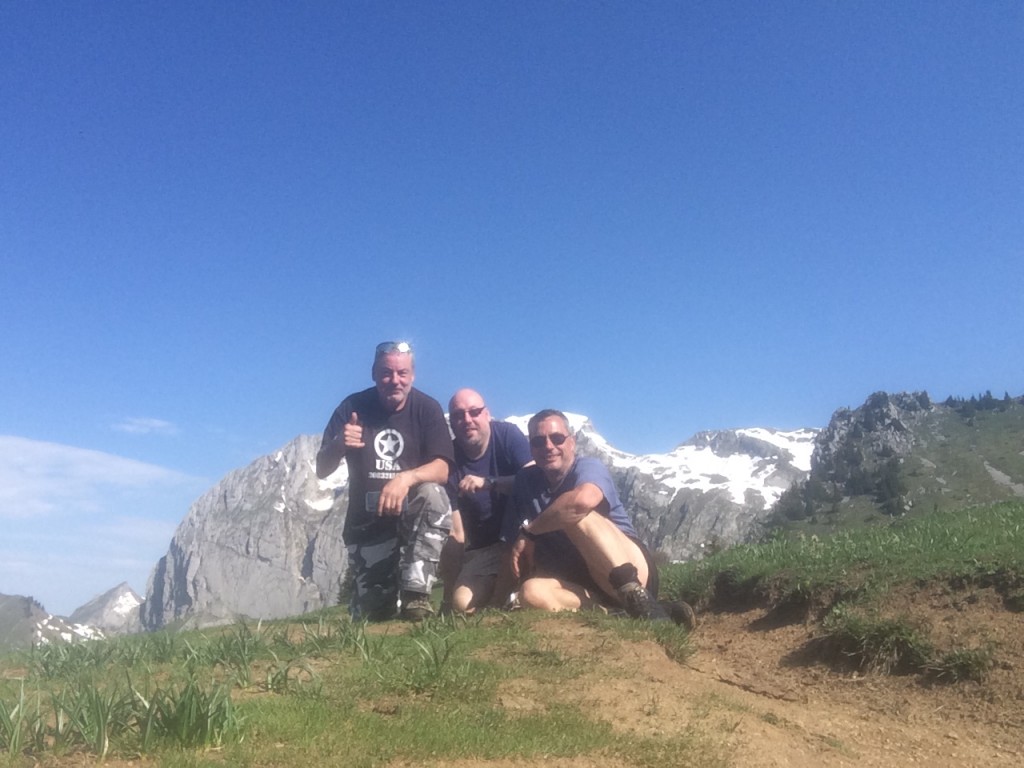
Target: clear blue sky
668,216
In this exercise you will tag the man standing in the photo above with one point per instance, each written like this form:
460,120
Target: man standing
487,456
576,546
398,450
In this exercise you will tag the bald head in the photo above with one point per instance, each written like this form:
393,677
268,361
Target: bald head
471,422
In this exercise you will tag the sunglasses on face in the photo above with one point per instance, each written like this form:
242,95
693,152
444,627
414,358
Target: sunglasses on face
541,441
473,413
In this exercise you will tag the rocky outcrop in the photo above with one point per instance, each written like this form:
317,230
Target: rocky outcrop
265,542
853,450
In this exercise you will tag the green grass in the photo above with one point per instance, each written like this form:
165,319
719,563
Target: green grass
888,646
322,691
983,545
843,580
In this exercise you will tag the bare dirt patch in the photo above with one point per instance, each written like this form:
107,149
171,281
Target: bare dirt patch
757,698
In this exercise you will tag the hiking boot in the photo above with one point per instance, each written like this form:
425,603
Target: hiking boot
416,606
681,613
639,604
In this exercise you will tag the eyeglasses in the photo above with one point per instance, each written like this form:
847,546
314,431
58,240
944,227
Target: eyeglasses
387,347
473,413
541,441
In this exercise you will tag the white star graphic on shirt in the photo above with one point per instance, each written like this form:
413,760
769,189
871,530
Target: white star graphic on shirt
389,444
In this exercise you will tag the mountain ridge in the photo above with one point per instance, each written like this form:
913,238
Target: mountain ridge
265,542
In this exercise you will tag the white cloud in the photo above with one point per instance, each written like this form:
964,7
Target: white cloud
77,522
39,478
137,426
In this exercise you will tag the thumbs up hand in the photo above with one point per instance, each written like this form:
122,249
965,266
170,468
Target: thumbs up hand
354,432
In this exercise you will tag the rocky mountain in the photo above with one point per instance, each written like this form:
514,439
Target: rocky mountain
115,612
24,622
265,542
902,453
710,492
858,443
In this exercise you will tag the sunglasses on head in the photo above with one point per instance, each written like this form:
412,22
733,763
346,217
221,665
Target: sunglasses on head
386,347
540,441
459,414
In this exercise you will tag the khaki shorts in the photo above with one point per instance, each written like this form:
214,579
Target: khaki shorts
486,561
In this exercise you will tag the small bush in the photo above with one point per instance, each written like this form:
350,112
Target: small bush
889,646
971,665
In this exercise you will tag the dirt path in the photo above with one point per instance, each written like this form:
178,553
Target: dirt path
758,701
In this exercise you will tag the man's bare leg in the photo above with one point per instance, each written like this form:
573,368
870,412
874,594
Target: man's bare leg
551,594
473,592
604,547
451,560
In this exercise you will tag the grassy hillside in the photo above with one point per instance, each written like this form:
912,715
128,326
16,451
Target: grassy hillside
845,582
960,457
505,688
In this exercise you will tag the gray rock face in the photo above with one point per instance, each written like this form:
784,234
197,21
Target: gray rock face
265,542
855,445
115,612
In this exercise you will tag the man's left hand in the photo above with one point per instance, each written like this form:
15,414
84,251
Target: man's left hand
472,483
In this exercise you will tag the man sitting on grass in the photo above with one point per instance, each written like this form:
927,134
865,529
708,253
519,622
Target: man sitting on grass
575,546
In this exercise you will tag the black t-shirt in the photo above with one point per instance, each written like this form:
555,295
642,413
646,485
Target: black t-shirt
394,442
482,512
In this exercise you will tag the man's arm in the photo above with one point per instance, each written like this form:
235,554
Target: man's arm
332,445
569,508
501,484
508,580
396,490
513,454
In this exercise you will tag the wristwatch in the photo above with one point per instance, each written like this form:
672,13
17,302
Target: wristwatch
492,482
526,533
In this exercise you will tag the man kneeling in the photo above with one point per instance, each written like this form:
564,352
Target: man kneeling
576,547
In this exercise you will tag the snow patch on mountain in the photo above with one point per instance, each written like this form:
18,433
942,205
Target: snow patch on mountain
53,628
705,467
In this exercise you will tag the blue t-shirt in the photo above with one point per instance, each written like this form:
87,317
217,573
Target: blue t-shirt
531,496
483,512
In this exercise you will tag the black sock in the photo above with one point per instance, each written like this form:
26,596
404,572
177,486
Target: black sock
621,575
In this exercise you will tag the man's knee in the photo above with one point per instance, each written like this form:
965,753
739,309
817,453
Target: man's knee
429,503
547,594
532,594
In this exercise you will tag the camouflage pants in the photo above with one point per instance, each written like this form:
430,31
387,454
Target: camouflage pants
407,561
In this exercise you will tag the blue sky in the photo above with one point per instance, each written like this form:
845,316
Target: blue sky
668,216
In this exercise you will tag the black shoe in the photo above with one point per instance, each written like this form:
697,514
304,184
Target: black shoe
639,604
416,606
681,613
